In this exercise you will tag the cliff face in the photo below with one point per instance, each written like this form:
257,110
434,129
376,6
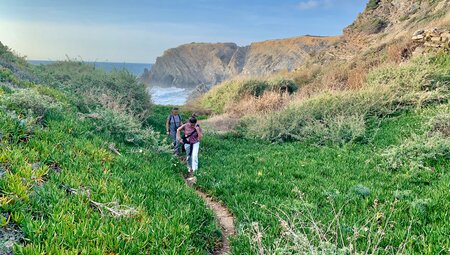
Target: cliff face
211,63
397,17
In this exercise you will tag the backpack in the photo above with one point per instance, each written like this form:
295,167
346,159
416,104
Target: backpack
174,122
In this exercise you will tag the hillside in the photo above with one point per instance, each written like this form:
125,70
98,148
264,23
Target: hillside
82,173
211,63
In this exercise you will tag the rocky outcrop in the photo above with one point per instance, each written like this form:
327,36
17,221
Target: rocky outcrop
396,16
433,38
211,63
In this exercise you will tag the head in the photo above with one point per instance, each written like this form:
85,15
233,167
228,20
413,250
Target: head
193,121
175,111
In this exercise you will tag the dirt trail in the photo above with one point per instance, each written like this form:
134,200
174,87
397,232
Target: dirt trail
223,215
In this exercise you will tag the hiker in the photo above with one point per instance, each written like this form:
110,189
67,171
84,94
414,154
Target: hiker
173,122
191,141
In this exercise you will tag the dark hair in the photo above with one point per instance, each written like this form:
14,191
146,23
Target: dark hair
175,109
193,120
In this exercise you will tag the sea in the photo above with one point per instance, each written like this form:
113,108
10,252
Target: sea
159,95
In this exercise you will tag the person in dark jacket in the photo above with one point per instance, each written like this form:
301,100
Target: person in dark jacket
173,122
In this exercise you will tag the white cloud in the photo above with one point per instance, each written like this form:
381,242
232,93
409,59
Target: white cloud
313,4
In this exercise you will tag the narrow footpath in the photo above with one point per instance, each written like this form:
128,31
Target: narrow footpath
223,216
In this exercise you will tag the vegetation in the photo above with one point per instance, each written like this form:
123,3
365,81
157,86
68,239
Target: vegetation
373,4
351,157
80,176
364,171
342,116
294,198
221,97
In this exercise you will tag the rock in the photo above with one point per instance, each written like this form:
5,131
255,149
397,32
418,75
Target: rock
446,35
211,63
418,37
419,32
432,45
436,39
198,91
419,51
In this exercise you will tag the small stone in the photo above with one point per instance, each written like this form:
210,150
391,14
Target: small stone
436,39
35,165
433,45
418,51
419,32
418,37
446,35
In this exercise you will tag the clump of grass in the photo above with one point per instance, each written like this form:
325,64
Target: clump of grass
373,4
422,152
303,233
126,128
25,100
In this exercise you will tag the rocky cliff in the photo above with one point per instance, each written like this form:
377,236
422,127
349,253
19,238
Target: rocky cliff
211,63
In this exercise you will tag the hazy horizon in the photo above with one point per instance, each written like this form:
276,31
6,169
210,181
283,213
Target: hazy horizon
139,31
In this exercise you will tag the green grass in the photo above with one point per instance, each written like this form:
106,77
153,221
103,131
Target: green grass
171,218
255,179
48,146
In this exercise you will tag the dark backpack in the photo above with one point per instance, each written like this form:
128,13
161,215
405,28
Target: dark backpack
174,122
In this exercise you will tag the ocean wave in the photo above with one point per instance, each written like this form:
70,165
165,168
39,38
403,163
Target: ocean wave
169,96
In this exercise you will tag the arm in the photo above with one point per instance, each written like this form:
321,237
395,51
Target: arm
178,133
199,132
167,126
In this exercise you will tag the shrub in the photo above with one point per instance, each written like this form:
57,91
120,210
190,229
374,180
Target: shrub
126,128
220,97
249,105
421,152
373,4
26,100
91,85
374,26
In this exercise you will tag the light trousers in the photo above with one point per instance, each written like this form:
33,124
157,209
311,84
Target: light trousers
192,158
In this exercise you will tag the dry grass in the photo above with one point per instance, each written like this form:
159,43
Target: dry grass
220,123
268,102
400,52
304,233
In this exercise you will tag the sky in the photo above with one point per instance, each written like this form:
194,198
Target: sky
138,31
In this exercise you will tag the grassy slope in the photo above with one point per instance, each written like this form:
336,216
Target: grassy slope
256,178
171,219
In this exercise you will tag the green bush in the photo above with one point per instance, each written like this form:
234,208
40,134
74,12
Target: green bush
418,152
421,152
25,100
126,128
91,84
229,92
373,4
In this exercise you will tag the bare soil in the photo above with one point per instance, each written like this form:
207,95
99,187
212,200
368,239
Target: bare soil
223,216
